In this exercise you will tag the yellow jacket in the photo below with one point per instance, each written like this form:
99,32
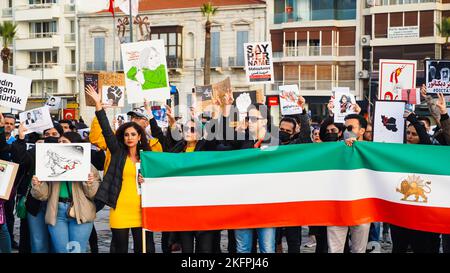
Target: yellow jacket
96,138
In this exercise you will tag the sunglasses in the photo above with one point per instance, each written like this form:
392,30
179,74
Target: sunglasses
253,119
348,128
189,129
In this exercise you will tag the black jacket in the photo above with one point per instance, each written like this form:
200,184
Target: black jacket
110,188
421,131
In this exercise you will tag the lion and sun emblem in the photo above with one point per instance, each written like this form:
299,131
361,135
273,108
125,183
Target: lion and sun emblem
415,186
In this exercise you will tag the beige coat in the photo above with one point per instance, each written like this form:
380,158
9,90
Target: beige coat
83,196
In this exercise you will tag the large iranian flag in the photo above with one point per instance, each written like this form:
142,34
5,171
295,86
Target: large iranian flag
297,185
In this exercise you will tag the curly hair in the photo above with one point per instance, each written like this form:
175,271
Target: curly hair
120,135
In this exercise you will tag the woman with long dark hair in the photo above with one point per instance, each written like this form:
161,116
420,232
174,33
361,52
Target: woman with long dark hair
119,189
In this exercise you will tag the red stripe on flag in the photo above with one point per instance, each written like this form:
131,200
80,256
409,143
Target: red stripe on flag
312,213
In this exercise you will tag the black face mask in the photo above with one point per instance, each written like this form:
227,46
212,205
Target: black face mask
51,140
284,137
331,137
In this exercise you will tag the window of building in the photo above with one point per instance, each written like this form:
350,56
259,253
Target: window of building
215,49
43,29
48,86
99,53
47,57
241,39
173,42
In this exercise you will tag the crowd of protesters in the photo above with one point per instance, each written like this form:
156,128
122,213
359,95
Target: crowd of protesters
55,214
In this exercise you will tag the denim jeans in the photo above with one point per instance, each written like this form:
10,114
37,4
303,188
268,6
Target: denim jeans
374,233
5,240
266,240
67,235
39,237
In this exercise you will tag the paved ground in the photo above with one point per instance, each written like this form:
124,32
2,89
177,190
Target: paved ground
104,237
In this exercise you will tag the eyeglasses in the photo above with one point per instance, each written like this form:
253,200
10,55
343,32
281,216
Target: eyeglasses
253,119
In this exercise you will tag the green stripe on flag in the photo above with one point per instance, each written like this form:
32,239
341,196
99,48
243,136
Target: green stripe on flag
386,157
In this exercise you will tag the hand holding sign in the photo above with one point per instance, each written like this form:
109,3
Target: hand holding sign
22,131
95,96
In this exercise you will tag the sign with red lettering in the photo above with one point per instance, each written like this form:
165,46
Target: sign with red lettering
258,62
437,77
394,76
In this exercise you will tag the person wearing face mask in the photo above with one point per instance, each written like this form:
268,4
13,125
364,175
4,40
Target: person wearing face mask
330,131
118,189
355,127
35,209
63,226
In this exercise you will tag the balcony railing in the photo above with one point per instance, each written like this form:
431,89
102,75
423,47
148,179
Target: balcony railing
69,8
174,62
117,66
7,12
95,66
39,66
400,2
215,62
36,35
305,51
312,85
70,68
236,62
69,38
35,6
315,15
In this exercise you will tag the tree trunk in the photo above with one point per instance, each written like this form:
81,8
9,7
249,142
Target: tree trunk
5,58
207,59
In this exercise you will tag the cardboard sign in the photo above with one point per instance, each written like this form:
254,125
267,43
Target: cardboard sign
259,62
289,95
146,73
389,124
437,76
14,91
63,162
8,172
394,76
112,86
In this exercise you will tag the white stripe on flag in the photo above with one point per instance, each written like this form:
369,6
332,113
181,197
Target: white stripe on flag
332,185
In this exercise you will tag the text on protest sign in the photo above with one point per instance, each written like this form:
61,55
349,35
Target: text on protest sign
258,62
14,91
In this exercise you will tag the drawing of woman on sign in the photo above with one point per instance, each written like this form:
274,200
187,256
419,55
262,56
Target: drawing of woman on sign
59,164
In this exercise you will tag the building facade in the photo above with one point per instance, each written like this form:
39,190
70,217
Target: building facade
182,27
44,49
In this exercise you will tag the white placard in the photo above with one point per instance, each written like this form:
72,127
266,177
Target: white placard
403,32
84,133
119,120
289,95
14,91
53,103
389,124
145,68
36,120
259,62
437,76
8,172
63,162
343,104
394,76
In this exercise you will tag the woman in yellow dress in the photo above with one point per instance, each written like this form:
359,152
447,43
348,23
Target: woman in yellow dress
119,189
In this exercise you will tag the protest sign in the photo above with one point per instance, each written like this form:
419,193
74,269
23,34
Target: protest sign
63,162
14,91
8,172
343,104
112,86
394,76
120,119
289,95
84,133
204,95
159,113
437,76
389,124
36,120
92,80
146,73
411,96
259,62
53,103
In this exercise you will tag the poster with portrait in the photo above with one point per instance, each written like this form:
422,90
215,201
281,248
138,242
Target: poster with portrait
119,120
53,103
411,96
92,80
146,73
84,133
437,76
395,75
289,95
14,91
204,96
259,62
8,172
112,86
389,124
36,120
160,115
343,104
63,161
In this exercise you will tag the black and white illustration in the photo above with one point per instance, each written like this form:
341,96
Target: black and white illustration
113,95
437,77
389,124
53,103
63,162
36,120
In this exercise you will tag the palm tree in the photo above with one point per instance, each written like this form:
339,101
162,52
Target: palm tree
208,10
444,31
8,33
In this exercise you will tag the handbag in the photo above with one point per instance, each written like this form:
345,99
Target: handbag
21,209
71,209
